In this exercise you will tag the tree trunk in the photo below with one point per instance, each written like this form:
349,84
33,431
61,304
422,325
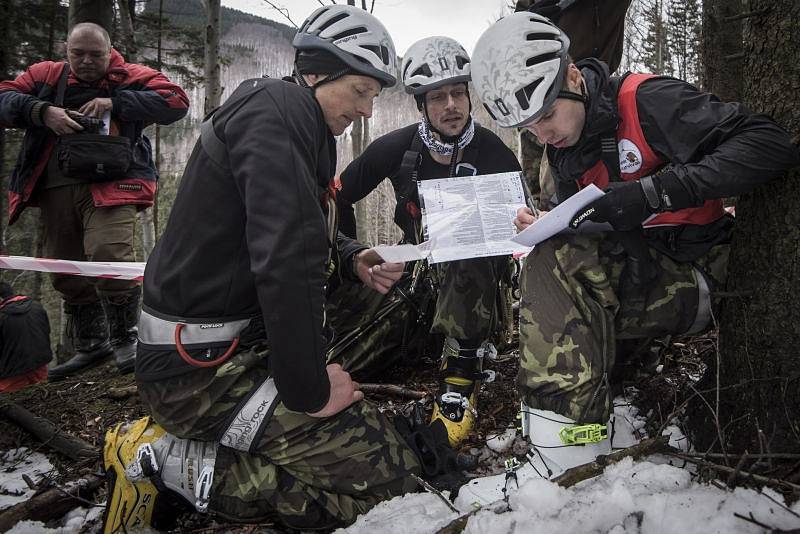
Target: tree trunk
211,60
722,44
128,37
98,11
148,227
759,373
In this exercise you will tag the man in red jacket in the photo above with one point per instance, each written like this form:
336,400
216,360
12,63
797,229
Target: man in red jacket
89,186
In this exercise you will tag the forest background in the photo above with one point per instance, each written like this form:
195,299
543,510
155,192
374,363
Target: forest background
739,49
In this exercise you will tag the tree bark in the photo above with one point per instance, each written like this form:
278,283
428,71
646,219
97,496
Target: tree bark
722,38
211,60
98,11
128,37
759,373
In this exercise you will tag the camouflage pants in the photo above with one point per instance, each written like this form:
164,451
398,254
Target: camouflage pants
576,304
467,303
310,472
465,308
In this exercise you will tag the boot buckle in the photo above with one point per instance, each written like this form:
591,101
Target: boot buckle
144,465
202,489
583,434
453,404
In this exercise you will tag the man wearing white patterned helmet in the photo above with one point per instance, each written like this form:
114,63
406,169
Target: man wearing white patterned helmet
666,154
247,420
445,142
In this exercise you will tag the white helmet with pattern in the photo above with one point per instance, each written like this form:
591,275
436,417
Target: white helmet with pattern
518,67
433,62
355,37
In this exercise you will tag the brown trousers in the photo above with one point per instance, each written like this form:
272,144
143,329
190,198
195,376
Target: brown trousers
76,229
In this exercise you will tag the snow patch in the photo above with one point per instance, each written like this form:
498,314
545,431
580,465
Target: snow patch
14,464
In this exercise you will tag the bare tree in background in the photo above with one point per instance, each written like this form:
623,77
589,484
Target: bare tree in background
213,90
98,11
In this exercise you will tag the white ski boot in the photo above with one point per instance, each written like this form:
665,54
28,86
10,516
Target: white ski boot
557,444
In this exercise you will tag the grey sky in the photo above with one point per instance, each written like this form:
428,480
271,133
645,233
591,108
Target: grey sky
406,20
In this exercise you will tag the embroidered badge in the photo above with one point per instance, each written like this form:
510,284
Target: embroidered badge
630,157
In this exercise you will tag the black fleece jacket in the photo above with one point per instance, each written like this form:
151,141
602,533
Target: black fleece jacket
714,149
251,240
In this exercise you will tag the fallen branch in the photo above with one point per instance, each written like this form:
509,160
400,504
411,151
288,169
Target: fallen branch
391,389
48,433
570,477
50,504
122,393
738,472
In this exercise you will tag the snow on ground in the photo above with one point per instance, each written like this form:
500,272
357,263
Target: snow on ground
650,497
13,465
630,497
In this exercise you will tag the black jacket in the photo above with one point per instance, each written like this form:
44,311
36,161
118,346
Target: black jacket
24,337
383,157
713,149
251,240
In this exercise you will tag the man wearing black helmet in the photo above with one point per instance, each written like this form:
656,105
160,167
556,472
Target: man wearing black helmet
446,142
247,420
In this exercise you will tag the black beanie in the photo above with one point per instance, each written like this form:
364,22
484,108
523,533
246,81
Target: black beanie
318,62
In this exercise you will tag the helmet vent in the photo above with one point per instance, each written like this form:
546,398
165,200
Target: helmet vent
380,51
461,61
348,33
535,60
489,111
537,36
311,21
424,70
333,20
524,94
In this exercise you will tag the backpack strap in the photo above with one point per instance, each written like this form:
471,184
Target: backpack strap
608,140
214,146
61,88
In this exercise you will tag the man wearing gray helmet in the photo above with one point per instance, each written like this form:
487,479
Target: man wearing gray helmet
446,142
247,420
666,154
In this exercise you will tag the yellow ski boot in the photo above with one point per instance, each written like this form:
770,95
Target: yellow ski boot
147,470
458,388
130,504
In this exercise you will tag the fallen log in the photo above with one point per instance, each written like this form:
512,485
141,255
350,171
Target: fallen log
122,393
52,503
48,433
577,474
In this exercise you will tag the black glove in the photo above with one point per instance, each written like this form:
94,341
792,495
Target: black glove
547,8
624,206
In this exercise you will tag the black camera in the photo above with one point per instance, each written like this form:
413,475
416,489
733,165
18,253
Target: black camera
90,125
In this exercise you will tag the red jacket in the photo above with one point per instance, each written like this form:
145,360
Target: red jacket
140,95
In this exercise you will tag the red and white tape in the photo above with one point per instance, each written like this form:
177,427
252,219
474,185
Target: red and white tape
124,270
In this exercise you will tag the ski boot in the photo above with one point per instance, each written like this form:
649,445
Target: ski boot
145,468
557,444
459,386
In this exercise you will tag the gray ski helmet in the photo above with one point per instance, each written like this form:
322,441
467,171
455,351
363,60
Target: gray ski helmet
518,67
355,37
433,62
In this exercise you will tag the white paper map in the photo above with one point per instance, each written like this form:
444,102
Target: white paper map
558,219
465,217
